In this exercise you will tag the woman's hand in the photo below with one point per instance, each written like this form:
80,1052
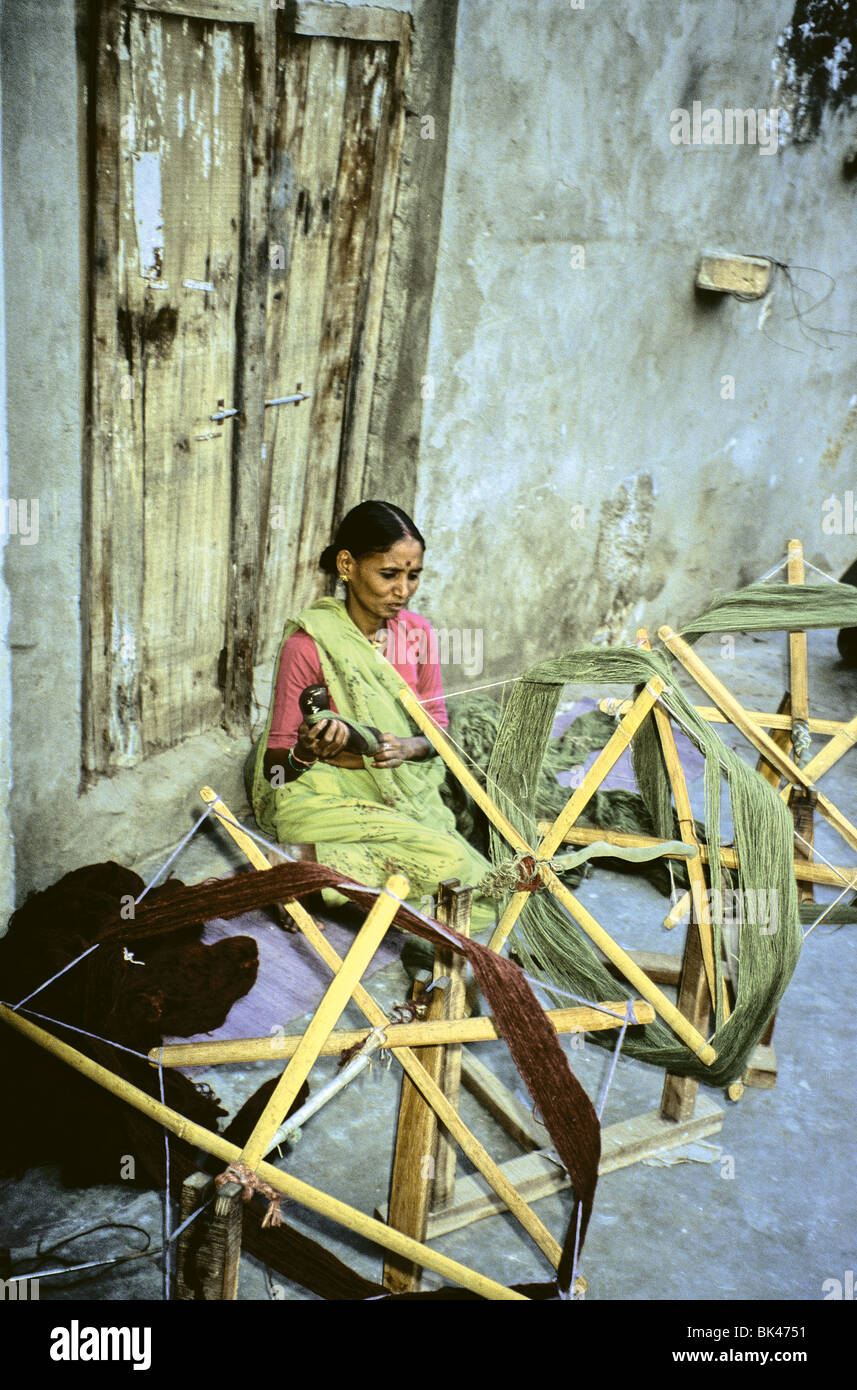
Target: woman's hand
394,751
324,740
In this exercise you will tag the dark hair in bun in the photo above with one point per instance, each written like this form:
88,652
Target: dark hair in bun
368,529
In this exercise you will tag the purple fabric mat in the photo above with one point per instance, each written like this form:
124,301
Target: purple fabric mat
291,979
621,773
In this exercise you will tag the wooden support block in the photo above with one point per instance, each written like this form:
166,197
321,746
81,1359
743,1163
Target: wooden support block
195,1192
631,1140
539,1174
410,1186
747,276
762,1068
679,1093
209,1251
453,910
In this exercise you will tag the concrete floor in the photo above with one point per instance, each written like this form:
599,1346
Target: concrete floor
765,1212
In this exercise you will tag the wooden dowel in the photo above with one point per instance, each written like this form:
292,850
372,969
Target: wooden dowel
466,1030
799,683
738,716
410,1183
291,1187
712,715
687,833
453,910
616,745
837,876
366,943
639,981
476,1152
289,1130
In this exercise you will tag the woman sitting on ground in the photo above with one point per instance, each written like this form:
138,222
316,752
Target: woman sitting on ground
366,816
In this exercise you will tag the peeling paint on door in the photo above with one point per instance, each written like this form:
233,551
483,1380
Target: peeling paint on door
148,216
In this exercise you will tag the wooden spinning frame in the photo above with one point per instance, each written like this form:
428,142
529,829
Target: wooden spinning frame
426,1200
683,1114
792,727
428,1080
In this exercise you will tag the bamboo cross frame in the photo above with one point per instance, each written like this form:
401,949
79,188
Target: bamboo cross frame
744,722
411,1064
618,742
368,939
282,1182
834,875
636,977
579,1019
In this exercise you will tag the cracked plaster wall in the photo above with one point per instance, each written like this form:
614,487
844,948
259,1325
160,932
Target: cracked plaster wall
585,463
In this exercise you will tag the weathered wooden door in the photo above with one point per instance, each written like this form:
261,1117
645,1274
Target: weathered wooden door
245,161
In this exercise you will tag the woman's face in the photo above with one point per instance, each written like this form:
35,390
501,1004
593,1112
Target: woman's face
380,585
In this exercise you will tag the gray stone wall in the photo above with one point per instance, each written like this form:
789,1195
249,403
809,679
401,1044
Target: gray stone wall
577,455
43,251
7,850
606,445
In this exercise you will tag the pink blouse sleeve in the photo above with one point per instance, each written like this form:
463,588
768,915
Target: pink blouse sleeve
429,683
300,666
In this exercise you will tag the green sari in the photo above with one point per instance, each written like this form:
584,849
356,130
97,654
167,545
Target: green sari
368,822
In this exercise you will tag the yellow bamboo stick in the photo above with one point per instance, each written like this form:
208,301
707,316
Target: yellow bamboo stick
679,910
446,1113
835,875
614,953
426,1034
293,1188
326,1016
616,745
698,886
798,676
632,972
251,848
770,720
713,715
